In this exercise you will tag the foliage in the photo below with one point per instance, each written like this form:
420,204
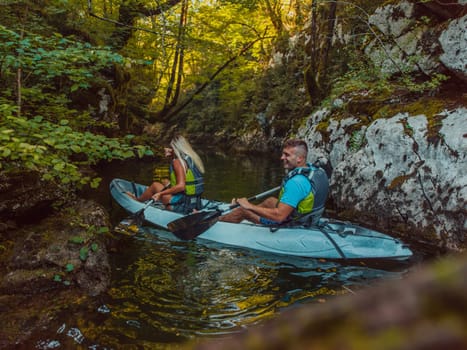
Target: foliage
50,70
68,63
215,33
266,80
364,78
56,150
432,84
357,140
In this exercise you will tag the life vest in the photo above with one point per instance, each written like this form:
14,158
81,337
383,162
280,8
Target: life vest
194,182
313,204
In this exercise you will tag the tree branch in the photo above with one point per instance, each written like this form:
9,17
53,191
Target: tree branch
245,48
144,11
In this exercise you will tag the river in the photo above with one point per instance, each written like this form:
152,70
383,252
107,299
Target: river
165,292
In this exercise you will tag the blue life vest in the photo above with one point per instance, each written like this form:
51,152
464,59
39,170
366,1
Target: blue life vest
194,187
194,181
315,201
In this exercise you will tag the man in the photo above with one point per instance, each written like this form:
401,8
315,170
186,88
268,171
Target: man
302,196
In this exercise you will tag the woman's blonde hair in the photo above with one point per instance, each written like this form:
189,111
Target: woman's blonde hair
181,147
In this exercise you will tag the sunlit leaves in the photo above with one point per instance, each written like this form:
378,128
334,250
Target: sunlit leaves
47,58
52,149
215,32
52,69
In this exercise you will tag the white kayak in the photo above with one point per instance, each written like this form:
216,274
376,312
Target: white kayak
330,239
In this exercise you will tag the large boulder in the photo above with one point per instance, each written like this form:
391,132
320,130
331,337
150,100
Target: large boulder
409,37
47,266
402,174
454,44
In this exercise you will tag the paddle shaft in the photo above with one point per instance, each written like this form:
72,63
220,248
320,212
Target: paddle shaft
191,226
258,196
139,215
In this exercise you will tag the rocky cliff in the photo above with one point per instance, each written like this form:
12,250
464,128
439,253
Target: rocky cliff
399,160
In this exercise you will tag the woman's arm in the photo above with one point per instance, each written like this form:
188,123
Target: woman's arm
179,186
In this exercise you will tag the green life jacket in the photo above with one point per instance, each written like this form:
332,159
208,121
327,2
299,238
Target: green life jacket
314,202
194,182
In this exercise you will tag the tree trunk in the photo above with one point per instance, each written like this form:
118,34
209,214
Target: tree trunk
173,88
275,15
174,112
129,11
311,49
318,51
327,38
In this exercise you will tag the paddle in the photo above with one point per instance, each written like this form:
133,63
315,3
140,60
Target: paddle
191,226
138,217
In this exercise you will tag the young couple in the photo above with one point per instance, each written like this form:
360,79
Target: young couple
301,199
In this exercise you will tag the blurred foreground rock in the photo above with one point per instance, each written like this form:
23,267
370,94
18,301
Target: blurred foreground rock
426,310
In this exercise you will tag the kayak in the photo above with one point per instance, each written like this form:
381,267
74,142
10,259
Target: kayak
329,239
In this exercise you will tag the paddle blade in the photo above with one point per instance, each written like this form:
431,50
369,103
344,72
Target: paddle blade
191,226
138,217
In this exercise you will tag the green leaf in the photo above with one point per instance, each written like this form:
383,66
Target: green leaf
76,240
83,253
57,278
103,229
69,267
95,182
75,148
6,152
59,166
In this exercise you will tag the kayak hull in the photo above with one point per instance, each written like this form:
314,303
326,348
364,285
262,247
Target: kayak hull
331,239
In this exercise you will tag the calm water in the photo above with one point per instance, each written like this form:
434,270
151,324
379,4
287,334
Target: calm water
165,291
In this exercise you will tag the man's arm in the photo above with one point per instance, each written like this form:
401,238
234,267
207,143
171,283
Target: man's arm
278,214
295,190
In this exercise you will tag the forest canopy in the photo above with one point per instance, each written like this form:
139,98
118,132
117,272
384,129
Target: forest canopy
102,70
76,72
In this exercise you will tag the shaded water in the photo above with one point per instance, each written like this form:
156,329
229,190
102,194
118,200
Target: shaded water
166,291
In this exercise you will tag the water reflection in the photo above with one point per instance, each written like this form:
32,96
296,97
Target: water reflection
165,291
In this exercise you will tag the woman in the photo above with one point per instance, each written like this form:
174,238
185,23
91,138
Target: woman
183,190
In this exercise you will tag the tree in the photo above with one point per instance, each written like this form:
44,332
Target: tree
318,47
175,80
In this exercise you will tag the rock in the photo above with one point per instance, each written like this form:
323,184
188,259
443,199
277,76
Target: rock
454,44
404,175
47,266
409,39
24,197
425,310
393,20
64,250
